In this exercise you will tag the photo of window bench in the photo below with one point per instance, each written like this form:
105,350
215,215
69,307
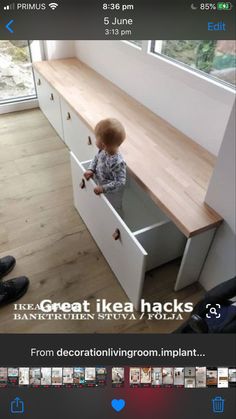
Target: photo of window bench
164,213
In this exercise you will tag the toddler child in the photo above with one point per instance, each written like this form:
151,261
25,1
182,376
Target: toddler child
108,166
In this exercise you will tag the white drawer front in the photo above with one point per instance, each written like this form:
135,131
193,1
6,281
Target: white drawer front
78,137
49,102
126,256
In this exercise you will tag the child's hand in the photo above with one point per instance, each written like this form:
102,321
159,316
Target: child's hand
98,190
88,174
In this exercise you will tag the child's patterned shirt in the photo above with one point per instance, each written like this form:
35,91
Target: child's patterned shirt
110,171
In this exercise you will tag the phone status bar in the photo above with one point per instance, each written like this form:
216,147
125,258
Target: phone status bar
134,19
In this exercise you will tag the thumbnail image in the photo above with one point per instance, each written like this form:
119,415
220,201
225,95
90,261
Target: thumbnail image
68,376
23,376
134,377
190,377
223,379
156,377
79,376
146,377
35,377
232,377
13,376
3,377
167,377
200,377
46,377
211,377
57,376
90,376
101,376
118,376
179,377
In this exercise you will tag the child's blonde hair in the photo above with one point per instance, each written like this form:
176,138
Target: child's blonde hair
110,131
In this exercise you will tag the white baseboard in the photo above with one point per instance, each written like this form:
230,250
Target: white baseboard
18,106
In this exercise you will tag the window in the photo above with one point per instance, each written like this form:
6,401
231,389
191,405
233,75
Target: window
137,43
16,74
216,58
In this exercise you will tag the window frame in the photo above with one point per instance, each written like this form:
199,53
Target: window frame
132,43
187,67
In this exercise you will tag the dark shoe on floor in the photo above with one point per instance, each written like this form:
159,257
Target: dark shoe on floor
13,289
7,263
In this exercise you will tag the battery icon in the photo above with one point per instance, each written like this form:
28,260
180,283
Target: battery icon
224,6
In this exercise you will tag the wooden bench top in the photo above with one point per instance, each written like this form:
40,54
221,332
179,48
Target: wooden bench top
172,168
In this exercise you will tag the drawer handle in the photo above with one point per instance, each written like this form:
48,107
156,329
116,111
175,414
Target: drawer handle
39,82
89,140
68,116
51,96
82,184
116,234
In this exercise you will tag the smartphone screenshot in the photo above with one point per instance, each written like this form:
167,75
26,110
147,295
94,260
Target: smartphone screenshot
68,377
118,377
232,377
190,377
35,377
24,374
117,209
79,377
223,377
212,377
57,379
179,377
13,377
200,377
46,377
156,377
3,377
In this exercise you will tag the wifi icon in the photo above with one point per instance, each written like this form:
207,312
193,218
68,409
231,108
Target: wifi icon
53,5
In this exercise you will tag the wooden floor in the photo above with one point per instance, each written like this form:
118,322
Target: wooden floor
41,228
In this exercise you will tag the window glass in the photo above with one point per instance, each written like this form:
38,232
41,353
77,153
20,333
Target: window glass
216,58
16,75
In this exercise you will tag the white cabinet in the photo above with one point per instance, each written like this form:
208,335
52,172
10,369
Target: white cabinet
49,102
78,137
141,240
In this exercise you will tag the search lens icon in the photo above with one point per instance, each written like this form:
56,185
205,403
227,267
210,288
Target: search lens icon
213,311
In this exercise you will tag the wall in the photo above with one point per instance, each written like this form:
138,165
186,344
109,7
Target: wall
195,106
58,49
198,107
221,262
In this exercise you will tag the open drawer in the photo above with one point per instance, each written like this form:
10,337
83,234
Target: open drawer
78,137
141,240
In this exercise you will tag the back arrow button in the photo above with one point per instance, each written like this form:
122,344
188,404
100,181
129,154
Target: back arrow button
8,26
